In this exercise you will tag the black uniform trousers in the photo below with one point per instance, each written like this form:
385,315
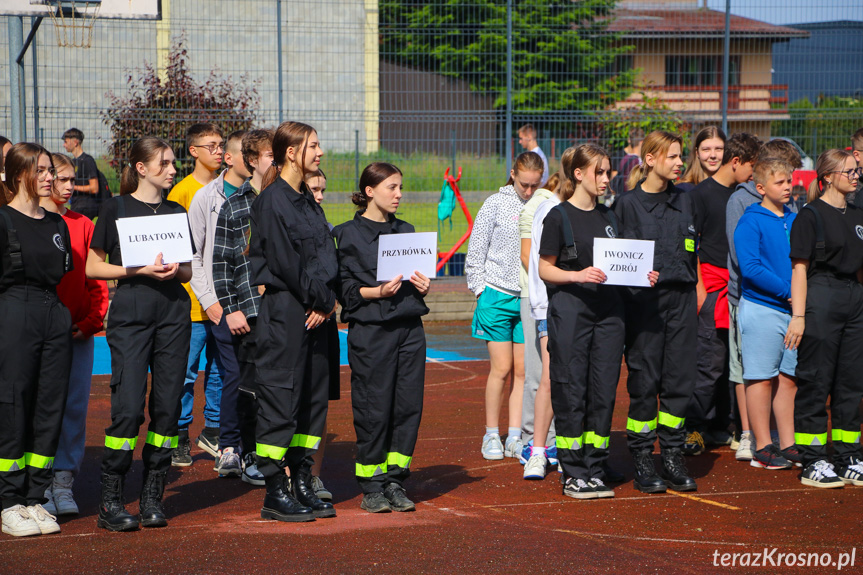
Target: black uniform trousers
830,363
292,376
387,382
246,352
585,345
148,329
35,358
661,324
710,406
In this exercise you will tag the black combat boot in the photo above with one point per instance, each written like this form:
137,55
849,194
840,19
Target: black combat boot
152,513
674,471
112,513
301,480
646,479
280,505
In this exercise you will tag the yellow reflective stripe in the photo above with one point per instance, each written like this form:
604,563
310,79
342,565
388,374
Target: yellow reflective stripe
810,439
846,436
671,421
636,426
121,443
598,441
270,451
371,470
7,465
569,442
399,460
167,441
38,461
307,441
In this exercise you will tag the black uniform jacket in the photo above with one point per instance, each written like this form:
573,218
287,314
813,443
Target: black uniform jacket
671,225
357,242
291,248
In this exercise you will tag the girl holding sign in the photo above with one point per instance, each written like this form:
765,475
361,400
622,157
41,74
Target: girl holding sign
148,330
36,342
660,323
293,256
386,342
585,321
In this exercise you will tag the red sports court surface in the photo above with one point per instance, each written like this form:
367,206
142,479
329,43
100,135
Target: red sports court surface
472,515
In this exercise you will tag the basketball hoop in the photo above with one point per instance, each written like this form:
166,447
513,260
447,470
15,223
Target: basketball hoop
73,21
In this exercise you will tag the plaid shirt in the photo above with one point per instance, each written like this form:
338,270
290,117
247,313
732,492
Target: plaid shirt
231,270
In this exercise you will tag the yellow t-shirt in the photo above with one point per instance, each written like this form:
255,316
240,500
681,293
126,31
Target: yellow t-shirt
183,193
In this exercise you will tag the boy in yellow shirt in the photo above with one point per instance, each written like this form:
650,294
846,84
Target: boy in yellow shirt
206,144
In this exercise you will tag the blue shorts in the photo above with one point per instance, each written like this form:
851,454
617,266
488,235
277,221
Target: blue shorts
762,331
497,317
541,328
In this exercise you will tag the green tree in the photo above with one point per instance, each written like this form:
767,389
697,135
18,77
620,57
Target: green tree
649,114
165,107
828,123
563,53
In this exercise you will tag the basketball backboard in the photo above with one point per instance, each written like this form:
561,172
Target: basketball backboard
116,9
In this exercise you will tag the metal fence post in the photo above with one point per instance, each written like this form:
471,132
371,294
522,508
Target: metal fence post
726,63
508,86
452,143
279,60
356,158
16,76
36,130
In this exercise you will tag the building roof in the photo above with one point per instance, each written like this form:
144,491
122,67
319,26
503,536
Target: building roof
701,22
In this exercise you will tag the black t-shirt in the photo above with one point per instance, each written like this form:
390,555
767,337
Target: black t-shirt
710,199
106,238
660,198
843,238
82,202
585,227
43,242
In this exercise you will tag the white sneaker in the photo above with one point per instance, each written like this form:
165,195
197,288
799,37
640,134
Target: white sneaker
17,522
744,450
514,447
46,522
64,502
535,467
492,448
49,506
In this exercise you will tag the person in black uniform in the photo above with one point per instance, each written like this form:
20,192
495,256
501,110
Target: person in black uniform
386,343
148,330
585,322
292,255
827,311
36,342
660,323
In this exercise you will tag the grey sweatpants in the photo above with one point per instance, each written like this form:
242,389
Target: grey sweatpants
532,374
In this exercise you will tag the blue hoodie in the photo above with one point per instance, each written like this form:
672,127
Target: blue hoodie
763,248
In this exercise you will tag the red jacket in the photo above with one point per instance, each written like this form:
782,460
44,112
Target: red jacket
86,299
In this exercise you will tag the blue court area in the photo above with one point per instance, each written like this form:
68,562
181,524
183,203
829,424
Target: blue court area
445,343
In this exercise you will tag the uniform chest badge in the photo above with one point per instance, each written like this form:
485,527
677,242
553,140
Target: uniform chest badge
609,231
58,241
691,229
859,230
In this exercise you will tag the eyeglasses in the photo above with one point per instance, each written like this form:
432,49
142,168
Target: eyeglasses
852,174
42,172
211,147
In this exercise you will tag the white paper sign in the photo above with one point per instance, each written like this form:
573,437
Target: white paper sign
142,238
402,254
625,262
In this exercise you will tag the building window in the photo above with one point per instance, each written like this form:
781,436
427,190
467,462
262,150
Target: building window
700,70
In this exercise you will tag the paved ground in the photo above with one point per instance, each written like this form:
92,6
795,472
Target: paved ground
473,515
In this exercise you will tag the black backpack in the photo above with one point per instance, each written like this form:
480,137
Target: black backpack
104,192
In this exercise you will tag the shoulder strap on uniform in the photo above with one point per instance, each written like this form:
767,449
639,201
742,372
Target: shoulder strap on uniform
15,256
566,225
612,219
67,253
820,247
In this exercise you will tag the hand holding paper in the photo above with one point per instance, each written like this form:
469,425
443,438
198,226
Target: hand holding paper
159,270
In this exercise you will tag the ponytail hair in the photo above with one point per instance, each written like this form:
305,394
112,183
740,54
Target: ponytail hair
372,175
553,182
288,135
143,150
526,162
829,161
656,144
21,165
574,158
695,173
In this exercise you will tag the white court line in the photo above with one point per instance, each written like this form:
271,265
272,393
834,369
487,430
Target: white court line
654,497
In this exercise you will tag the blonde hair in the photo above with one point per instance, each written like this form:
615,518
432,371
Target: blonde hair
553,182
695,173
769,166
657,144
828,162
581,158
526,162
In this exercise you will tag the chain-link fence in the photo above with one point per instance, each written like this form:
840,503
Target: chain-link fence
440,83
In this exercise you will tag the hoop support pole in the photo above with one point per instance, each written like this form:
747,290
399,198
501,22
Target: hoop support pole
29,39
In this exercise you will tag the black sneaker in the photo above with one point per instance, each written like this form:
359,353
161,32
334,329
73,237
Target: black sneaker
793,455
600,488
209,440
395,494
769,458
375,503
579,489
674,471
717,438
694,444
851,473
182,454
820,474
